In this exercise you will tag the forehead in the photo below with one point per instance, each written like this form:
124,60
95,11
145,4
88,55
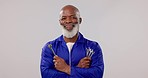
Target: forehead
68,12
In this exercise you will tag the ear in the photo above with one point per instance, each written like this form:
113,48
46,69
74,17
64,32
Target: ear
80,20
60,21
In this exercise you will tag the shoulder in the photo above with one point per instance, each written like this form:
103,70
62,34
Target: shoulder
52,42
93,44
88,42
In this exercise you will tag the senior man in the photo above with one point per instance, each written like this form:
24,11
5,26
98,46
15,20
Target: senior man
71,55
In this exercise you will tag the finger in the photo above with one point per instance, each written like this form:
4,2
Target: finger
54,61
55,57
86,61
86,58
87,64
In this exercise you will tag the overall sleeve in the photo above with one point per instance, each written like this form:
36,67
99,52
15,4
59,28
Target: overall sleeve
47,65
96,68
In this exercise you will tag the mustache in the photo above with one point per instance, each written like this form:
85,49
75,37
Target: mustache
73,25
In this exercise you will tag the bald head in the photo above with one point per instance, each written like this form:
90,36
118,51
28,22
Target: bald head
70,7
71,10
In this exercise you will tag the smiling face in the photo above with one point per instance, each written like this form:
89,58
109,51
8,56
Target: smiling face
70,20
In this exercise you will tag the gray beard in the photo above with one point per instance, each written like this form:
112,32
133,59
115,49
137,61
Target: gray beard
72,33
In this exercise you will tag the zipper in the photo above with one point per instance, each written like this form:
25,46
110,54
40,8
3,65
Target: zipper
70,59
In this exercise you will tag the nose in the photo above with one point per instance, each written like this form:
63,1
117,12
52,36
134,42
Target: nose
68,20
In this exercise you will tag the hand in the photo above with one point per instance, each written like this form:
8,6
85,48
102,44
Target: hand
61,65
84,62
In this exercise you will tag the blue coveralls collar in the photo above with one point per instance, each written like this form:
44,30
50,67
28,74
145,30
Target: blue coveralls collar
80,39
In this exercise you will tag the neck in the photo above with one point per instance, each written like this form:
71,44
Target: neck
73,39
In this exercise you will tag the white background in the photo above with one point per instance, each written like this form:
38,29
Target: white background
120,26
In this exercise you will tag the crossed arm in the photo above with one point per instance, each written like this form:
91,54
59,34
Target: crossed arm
61,65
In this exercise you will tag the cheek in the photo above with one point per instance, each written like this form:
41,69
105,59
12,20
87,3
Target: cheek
75,21
61,22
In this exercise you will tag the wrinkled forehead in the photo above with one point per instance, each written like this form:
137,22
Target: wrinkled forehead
68,12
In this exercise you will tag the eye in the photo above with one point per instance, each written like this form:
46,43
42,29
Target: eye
63,18
73,17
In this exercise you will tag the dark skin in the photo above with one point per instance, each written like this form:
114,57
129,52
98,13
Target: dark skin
68,19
